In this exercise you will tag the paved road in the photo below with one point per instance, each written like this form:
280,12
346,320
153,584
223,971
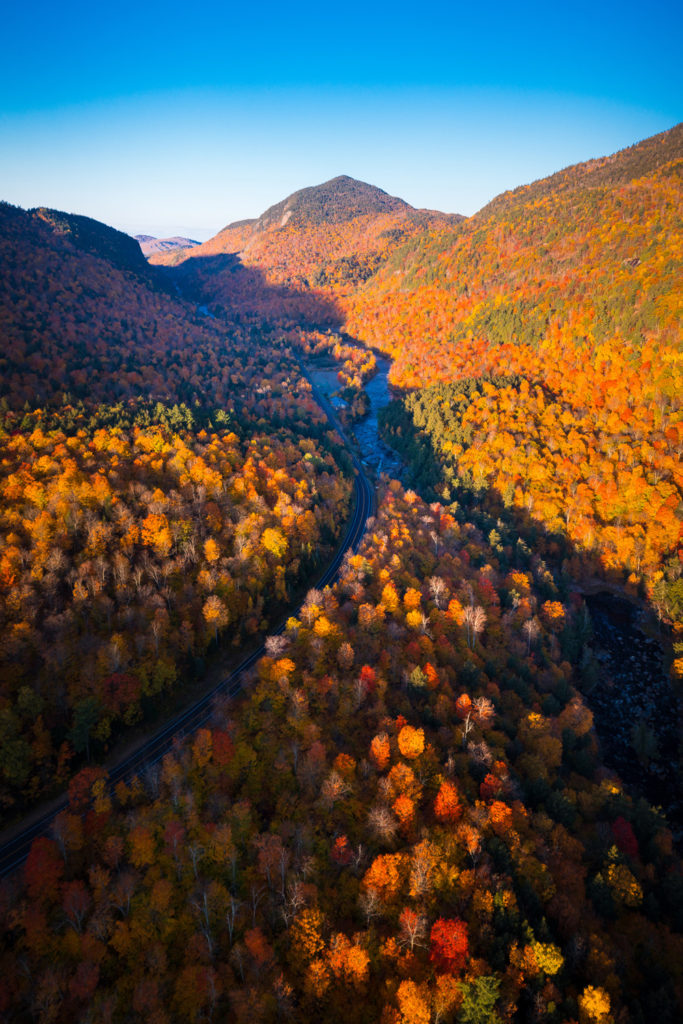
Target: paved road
14,852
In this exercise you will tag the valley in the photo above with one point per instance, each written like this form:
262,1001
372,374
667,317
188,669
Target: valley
146,755
450,791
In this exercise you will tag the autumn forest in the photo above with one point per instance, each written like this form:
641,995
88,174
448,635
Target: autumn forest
450,789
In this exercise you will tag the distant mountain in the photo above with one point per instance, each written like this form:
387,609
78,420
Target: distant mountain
340,201
328,239
541,344
150,245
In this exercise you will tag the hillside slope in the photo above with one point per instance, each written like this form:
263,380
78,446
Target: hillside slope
80,313
334,202
164,477
408,820
93,237
590,253
406,823
573,283
304,254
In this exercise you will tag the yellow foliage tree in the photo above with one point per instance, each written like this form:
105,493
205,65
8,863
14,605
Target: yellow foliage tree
411,742
413,1003
215,613
594,1006
212,552
274,541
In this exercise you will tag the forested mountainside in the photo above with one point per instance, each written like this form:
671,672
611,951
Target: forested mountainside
572,282
162,478
408,820
89,235
585,257
573,285
336,201
304,253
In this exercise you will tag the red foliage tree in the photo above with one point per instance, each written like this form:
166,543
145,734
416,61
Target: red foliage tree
624,837
43,870
448,944
447,806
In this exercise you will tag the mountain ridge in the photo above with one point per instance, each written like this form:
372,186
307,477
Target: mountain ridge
327,238
619,167
411,817
94,237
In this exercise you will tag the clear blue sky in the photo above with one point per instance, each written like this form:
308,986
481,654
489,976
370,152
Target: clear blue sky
178,118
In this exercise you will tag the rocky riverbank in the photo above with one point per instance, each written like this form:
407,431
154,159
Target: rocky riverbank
377,455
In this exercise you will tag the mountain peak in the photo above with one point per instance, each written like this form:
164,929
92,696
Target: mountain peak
335,201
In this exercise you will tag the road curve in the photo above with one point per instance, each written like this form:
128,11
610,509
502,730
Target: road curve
14,852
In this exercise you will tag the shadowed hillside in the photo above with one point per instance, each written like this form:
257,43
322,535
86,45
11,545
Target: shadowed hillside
93,237
408,817
572,283
135,437
327,239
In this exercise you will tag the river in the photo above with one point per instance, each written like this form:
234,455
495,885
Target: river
635,711
378,456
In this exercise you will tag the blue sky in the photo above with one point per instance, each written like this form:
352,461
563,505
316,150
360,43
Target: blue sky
170,118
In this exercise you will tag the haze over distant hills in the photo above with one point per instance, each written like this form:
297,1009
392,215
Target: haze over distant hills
149,244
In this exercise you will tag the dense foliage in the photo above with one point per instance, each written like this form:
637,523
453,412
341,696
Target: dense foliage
572,283
407,822
163,479
408,819
97,239
584,263
124,553
605,498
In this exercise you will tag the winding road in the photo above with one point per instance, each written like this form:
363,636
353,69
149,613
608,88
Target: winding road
14,852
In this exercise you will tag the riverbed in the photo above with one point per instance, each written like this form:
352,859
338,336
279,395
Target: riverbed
635,710
376,455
